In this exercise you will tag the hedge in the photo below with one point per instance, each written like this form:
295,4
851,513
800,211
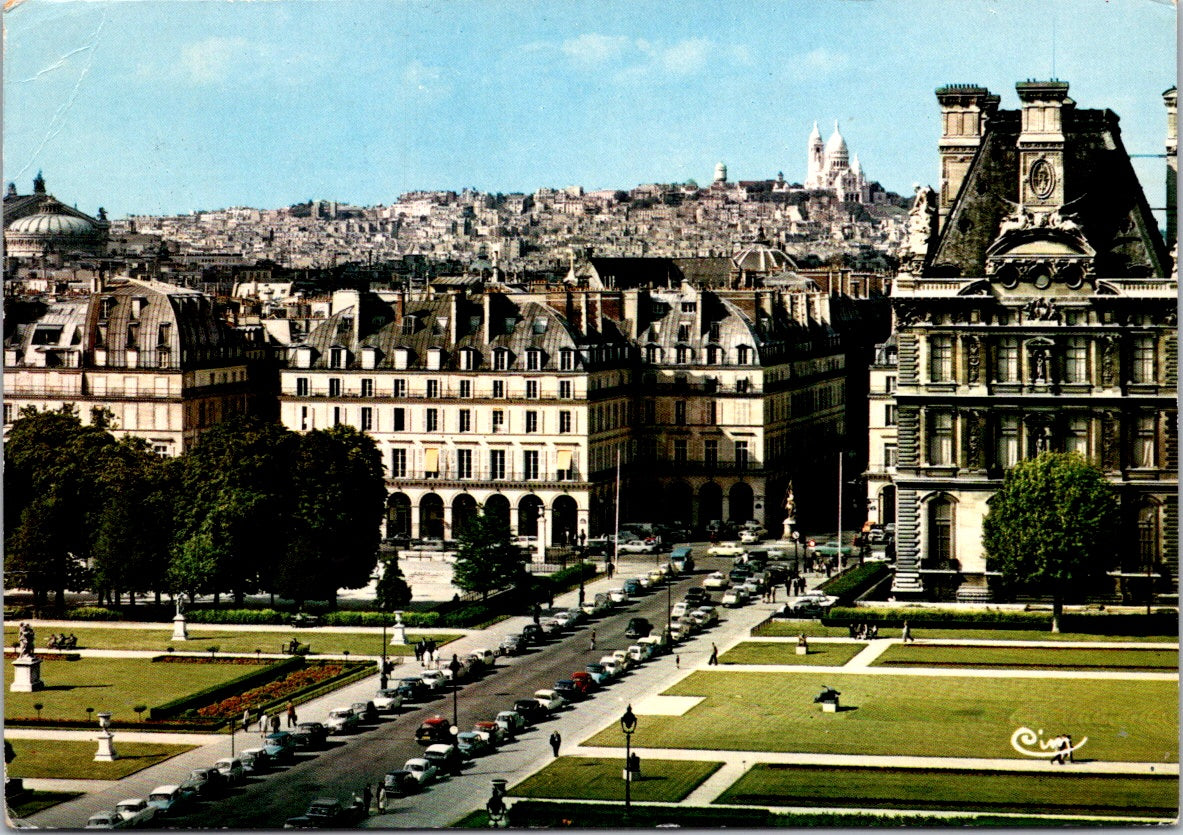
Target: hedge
413,619
168,710
93,613
935,618
179,725
568,578
354,670
254,616
854,581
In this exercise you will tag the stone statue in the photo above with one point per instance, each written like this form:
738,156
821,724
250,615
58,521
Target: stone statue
27,647
1039,363
180,605
790,511
920,222
1065,222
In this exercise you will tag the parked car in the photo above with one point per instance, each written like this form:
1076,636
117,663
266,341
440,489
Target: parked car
639,546
552,627
412,689
513,644
400,783
618,595
624,659
530,710
136,812
681,559
584,681
612,666
638,628
726,549
472,745
388,700
342,720
310,735
736,597
445,756
511,722
638,653
434,730
494,734
578,616
831,549
598,673
600,603
697,595
714,581
680,608
532,633
567,691
105,820
550,700
330,813
255,761
807,606
434,679
633,587
749,537
206,782
739,574
167,800
467,668
705,615
231,770
486,657
658,643
280,747
421,769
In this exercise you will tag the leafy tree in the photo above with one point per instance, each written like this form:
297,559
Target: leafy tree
194,566
393,590
339,500
49,494
486,558
1051,528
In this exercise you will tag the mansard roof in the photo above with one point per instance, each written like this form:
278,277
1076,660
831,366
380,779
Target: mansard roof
1101,190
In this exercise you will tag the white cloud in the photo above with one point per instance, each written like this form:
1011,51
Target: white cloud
426,80
596,49
214,59
630,60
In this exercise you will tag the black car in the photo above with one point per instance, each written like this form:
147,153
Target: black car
513,644
366,712
206,782
531,710
567,689
737,576
413,689
310,735
638,628
400,783
697,595
532,633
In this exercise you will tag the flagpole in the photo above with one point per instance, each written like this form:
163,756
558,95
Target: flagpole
616,533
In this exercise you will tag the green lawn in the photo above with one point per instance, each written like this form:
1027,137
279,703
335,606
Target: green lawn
913,715
70,760
1059,793
780,652
595,778
157,638
781,629
115,685
979,657
36,801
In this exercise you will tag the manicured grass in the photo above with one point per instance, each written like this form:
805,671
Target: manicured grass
595,778
158,638
780,652
1014,658
1059,793
945,716
36,801
115,685
69,760
782,628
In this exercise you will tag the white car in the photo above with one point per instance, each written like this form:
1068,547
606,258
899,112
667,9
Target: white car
485,656
511,722
618,595
705,615
637,546
715,580
624,659
550,700
639,653
611,665
566,618
387,701
420,769
747,537
680,608
733,598
645,580
434,679
105,820
726,549
341,720
135,811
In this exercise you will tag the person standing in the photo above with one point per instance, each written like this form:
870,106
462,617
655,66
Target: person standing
381,798
592,642
714,659
246,720
555,742
275,724
907,633
263,719
367,796
291,714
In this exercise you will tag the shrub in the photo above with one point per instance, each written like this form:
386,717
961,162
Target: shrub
854,581
934,618
219,691
253,616
469,616
93,613
417,619
569,577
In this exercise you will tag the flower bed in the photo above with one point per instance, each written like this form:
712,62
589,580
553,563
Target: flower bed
278,690
46,656
206,659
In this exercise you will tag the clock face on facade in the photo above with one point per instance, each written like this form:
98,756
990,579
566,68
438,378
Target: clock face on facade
1042,178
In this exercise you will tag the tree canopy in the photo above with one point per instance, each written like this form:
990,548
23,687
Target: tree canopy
486,558
1051,528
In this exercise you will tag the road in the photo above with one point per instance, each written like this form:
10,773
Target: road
364,757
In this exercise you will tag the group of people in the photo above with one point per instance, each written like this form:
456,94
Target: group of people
426,652
1063,748
269,724
864,631
795,585
63,641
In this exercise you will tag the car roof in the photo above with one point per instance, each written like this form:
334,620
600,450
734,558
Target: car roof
161,790
131,800
439,747
420,761
435,720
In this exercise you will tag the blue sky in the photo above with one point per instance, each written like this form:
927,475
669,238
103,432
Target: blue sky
169,106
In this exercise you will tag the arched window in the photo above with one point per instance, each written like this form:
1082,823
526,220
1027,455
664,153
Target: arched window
1149,540
941,515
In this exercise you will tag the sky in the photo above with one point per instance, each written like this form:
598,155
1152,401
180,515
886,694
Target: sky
173,106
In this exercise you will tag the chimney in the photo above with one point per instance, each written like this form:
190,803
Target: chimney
584,325
1171,99
486,328
453,315
965,109
632,309
1041,144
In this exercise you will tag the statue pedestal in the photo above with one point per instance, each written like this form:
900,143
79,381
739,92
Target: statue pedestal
26,675
106,752
829,707
398,635
180,628
802,650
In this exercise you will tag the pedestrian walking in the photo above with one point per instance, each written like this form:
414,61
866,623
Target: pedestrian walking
419,650
246,720
263,718
1066,749
275,724
291,714
381,798
367,796
592,642
678,661
907,634
555,742
714,659
774,594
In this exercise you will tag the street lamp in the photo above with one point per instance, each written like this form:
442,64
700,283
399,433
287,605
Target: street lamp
455,668
628,724
495,806
382,672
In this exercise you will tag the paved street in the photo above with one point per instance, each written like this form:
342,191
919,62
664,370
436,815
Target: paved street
364,757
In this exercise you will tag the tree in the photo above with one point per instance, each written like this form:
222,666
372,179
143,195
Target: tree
486,558
1052,527
393,590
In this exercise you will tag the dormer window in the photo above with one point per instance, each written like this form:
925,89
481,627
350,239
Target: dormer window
469,359
652,354
689,307
683,354
743,354
540,323
163,335
713,355
402,358
713,332
106,305
500,359
138,303
408,325
337,357
369,357
510,322
566,359
133,336
533,359
435,359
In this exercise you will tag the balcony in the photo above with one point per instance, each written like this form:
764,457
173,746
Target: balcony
693,468
453,477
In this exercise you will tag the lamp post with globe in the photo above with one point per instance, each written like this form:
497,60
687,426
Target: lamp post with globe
628,724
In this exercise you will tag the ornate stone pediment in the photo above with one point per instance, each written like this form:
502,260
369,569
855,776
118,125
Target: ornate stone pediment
1041,248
